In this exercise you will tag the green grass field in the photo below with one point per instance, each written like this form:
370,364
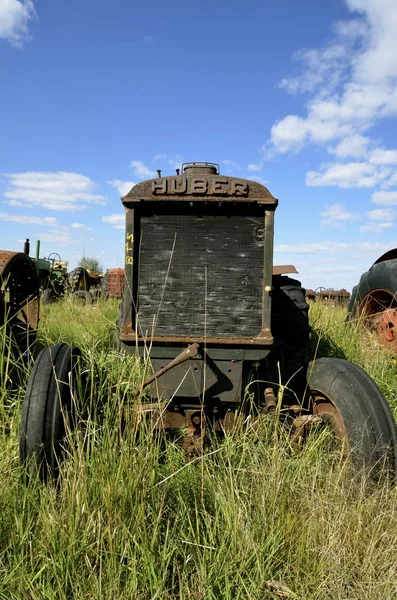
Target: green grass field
252,519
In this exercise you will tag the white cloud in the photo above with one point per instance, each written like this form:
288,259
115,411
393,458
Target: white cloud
353,146
335,247
348,175
376,227
15,17
122,186
335,215
61,191
381,214
141,170
175,160
380,156
28,220
352,85
80,226
384,198
116,221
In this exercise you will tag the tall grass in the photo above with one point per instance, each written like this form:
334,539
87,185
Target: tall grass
251,519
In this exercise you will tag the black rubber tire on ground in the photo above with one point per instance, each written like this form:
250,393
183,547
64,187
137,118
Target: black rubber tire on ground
290,312
48,296
83,296
47,407
381,276
348,400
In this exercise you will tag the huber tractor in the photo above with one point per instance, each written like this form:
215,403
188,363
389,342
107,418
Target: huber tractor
221,329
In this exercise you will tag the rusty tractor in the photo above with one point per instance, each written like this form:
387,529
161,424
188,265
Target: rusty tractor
221,329
328,296
374,301
19,299
112,285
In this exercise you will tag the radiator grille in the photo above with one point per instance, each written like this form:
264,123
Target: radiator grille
200,276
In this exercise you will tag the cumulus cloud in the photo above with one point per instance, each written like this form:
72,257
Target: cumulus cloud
15,18
122,186
28,220
347,175
175,160
335,247
375,227
385,198
381,214
335,215
351,85
141,170
117,221
61,191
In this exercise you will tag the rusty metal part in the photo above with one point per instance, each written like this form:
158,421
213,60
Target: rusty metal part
302,425
190,352
378,314
324,408
199,182
329,295
113,283
19,297
386,328
132,336
270,400
194,434
283,269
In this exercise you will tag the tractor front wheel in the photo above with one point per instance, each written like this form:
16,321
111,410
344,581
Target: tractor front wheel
350,403
49,409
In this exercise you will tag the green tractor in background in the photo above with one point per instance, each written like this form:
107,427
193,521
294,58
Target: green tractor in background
55,281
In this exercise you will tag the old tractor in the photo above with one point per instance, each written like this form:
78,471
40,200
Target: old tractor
373,303
220,329
19,299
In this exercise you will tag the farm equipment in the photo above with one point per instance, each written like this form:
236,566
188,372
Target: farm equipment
374,301
19,298
112,285
329,296
220,329
55,281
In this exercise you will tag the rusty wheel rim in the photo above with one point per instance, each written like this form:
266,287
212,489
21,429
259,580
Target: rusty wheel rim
331,418
378,311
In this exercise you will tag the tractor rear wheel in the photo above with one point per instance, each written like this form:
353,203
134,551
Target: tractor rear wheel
49,409
19,298
350,403
290,312
83,296
78,280
374,303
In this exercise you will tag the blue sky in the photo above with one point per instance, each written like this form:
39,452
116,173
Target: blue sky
95,96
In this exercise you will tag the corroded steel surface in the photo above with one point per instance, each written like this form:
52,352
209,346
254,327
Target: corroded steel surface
385,324
200,182
114,283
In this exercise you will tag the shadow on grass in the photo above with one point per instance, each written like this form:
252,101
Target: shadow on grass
322,345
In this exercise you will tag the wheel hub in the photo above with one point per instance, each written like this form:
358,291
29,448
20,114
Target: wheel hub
386,328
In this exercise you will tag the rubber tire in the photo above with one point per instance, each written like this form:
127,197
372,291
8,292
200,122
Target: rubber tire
76,277
380,276
47,401
290,312
82,295
48,296
370,427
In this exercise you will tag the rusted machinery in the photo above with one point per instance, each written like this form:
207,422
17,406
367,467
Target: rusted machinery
329,296
113,283
220,329
19,298
373,303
